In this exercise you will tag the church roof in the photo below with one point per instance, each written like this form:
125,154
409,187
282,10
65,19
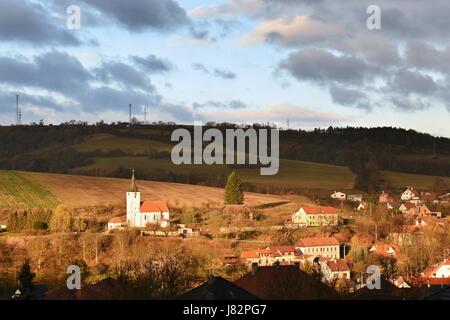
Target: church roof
154,206
133,187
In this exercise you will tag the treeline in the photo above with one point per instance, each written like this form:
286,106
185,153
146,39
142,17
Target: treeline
59,220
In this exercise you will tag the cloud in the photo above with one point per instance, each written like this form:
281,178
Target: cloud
224,74
30,22
153,64
349,97
219,73
138,15
234,104
293,31
59,82
276,113
200,67
321,66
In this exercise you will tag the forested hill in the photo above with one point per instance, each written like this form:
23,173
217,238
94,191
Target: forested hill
50,148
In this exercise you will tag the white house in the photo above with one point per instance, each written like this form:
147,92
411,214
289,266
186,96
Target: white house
338,195
355,197
141,214
411,195
441,270
117,223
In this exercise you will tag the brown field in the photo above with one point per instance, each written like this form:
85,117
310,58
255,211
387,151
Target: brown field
82,191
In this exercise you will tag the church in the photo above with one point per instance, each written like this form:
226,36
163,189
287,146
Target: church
143,213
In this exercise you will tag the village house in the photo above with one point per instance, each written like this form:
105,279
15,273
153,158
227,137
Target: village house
117,223
355,197
316,216
283,255
362,206
319,247
335,269
338,195
411,195
440,270
385,249
145,213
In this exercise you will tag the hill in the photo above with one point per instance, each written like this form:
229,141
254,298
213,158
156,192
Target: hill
19,191
80,191
335,158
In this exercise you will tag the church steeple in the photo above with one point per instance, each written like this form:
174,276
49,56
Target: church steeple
133,187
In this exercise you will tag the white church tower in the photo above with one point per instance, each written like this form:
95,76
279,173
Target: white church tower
133,203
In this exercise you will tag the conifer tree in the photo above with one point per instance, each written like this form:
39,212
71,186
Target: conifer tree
233,190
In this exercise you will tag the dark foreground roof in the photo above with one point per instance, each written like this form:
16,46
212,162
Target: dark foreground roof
106,289
217,288
285,283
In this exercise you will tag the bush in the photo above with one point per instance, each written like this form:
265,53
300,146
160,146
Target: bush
40,225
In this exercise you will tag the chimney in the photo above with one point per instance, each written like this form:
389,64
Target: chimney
254,268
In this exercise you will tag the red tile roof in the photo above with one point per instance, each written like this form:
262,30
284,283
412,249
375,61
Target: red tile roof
118,220
154,206
320,210
315,242
338,265
382,248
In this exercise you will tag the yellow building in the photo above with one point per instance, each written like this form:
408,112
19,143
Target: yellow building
316,216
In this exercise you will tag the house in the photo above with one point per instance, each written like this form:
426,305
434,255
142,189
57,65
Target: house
283,255
141,214
235,209
362,206
2,228
284,283
384,197
355,197
405,207
399,282
440,270
316,216
185,231
218,288
117,223
319,247
385,249
411,195
430,197
335,269
230,260
338,195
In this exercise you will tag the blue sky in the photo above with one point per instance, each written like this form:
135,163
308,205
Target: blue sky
312,62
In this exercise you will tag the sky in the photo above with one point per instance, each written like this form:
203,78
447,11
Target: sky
312,62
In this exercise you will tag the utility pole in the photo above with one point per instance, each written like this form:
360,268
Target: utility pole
288,124
145,115
18,112
129,111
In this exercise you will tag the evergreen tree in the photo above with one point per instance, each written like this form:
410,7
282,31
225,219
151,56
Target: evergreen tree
25,279
233,190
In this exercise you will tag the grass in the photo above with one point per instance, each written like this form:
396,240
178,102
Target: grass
18,191
407,179
108,142
293,174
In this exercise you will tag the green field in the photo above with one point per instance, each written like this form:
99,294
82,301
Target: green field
107,142
18,191
419,181
292,174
